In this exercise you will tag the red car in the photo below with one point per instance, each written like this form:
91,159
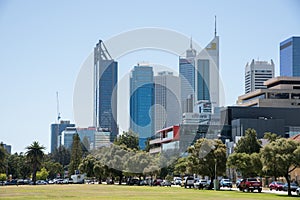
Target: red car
278,186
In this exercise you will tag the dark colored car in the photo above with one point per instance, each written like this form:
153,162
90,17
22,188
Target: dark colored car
294,187
133,181
226,183
278,186
157,182
12,182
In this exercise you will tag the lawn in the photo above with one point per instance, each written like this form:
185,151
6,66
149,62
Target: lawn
124,192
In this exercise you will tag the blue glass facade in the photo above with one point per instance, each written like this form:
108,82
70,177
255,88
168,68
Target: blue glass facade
203,80
141,102
290,57
56,130
106,99
187,76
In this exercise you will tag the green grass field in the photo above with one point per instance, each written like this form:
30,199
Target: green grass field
124,192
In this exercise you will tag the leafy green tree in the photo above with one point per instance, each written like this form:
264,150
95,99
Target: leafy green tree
3,178
181,166
129,139
99,171
245,158
281,157
87,165
43,174
271,136
248,164
249,143
35,155
3,156
62,155
76,154
207,157
52,167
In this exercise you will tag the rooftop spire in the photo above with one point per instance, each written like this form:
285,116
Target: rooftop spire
191,43
215,25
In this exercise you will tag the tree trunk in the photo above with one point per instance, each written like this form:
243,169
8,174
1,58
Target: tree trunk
289,184
34,174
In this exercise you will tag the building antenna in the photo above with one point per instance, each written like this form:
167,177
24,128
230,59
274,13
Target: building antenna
57,107
215,25
191,43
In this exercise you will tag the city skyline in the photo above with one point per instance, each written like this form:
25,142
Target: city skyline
42,50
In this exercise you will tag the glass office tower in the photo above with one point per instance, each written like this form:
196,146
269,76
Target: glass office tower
290,57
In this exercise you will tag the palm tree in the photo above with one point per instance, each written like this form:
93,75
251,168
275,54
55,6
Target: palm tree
35,156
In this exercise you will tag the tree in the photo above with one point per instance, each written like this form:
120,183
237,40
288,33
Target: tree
248,164
271,136
52,167
35,156
3,178
76,154
281,157
249,143
62,155
129,139
245,158
87,165
181,166
3,156
43,174
208,158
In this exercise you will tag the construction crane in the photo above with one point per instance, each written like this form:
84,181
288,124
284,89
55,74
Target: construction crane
57,107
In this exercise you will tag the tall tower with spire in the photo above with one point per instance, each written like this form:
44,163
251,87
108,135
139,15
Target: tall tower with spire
207,77
105,94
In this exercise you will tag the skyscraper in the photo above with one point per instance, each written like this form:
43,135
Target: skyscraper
167,100
290,57
187,78
105,93
56,130
141,102
256,73
207,76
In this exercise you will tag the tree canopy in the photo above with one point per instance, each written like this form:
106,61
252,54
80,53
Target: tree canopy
281,157
129,139
35,155
249,143
205,155
76,154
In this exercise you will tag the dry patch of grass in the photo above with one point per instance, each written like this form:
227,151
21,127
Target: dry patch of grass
117,192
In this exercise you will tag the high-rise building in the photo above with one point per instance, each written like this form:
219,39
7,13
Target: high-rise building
6,147
141,102
66,138
105,92
256,73
207,76
167,100
187,77
56,130
290,57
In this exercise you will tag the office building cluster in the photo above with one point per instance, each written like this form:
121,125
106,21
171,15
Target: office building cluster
172,110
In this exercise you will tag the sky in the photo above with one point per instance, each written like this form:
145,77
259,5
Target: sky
43,45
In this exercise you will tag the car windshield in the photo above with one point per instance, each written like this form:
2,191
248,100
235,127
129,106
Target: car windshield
226,180
280,183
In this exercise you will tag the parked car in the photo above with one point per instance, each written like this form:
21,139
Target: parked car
189,181
12,182
41,182
250,184
133,181
278,186
298,191
166,183
294,187
226,183
157,182
177,181
201,184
